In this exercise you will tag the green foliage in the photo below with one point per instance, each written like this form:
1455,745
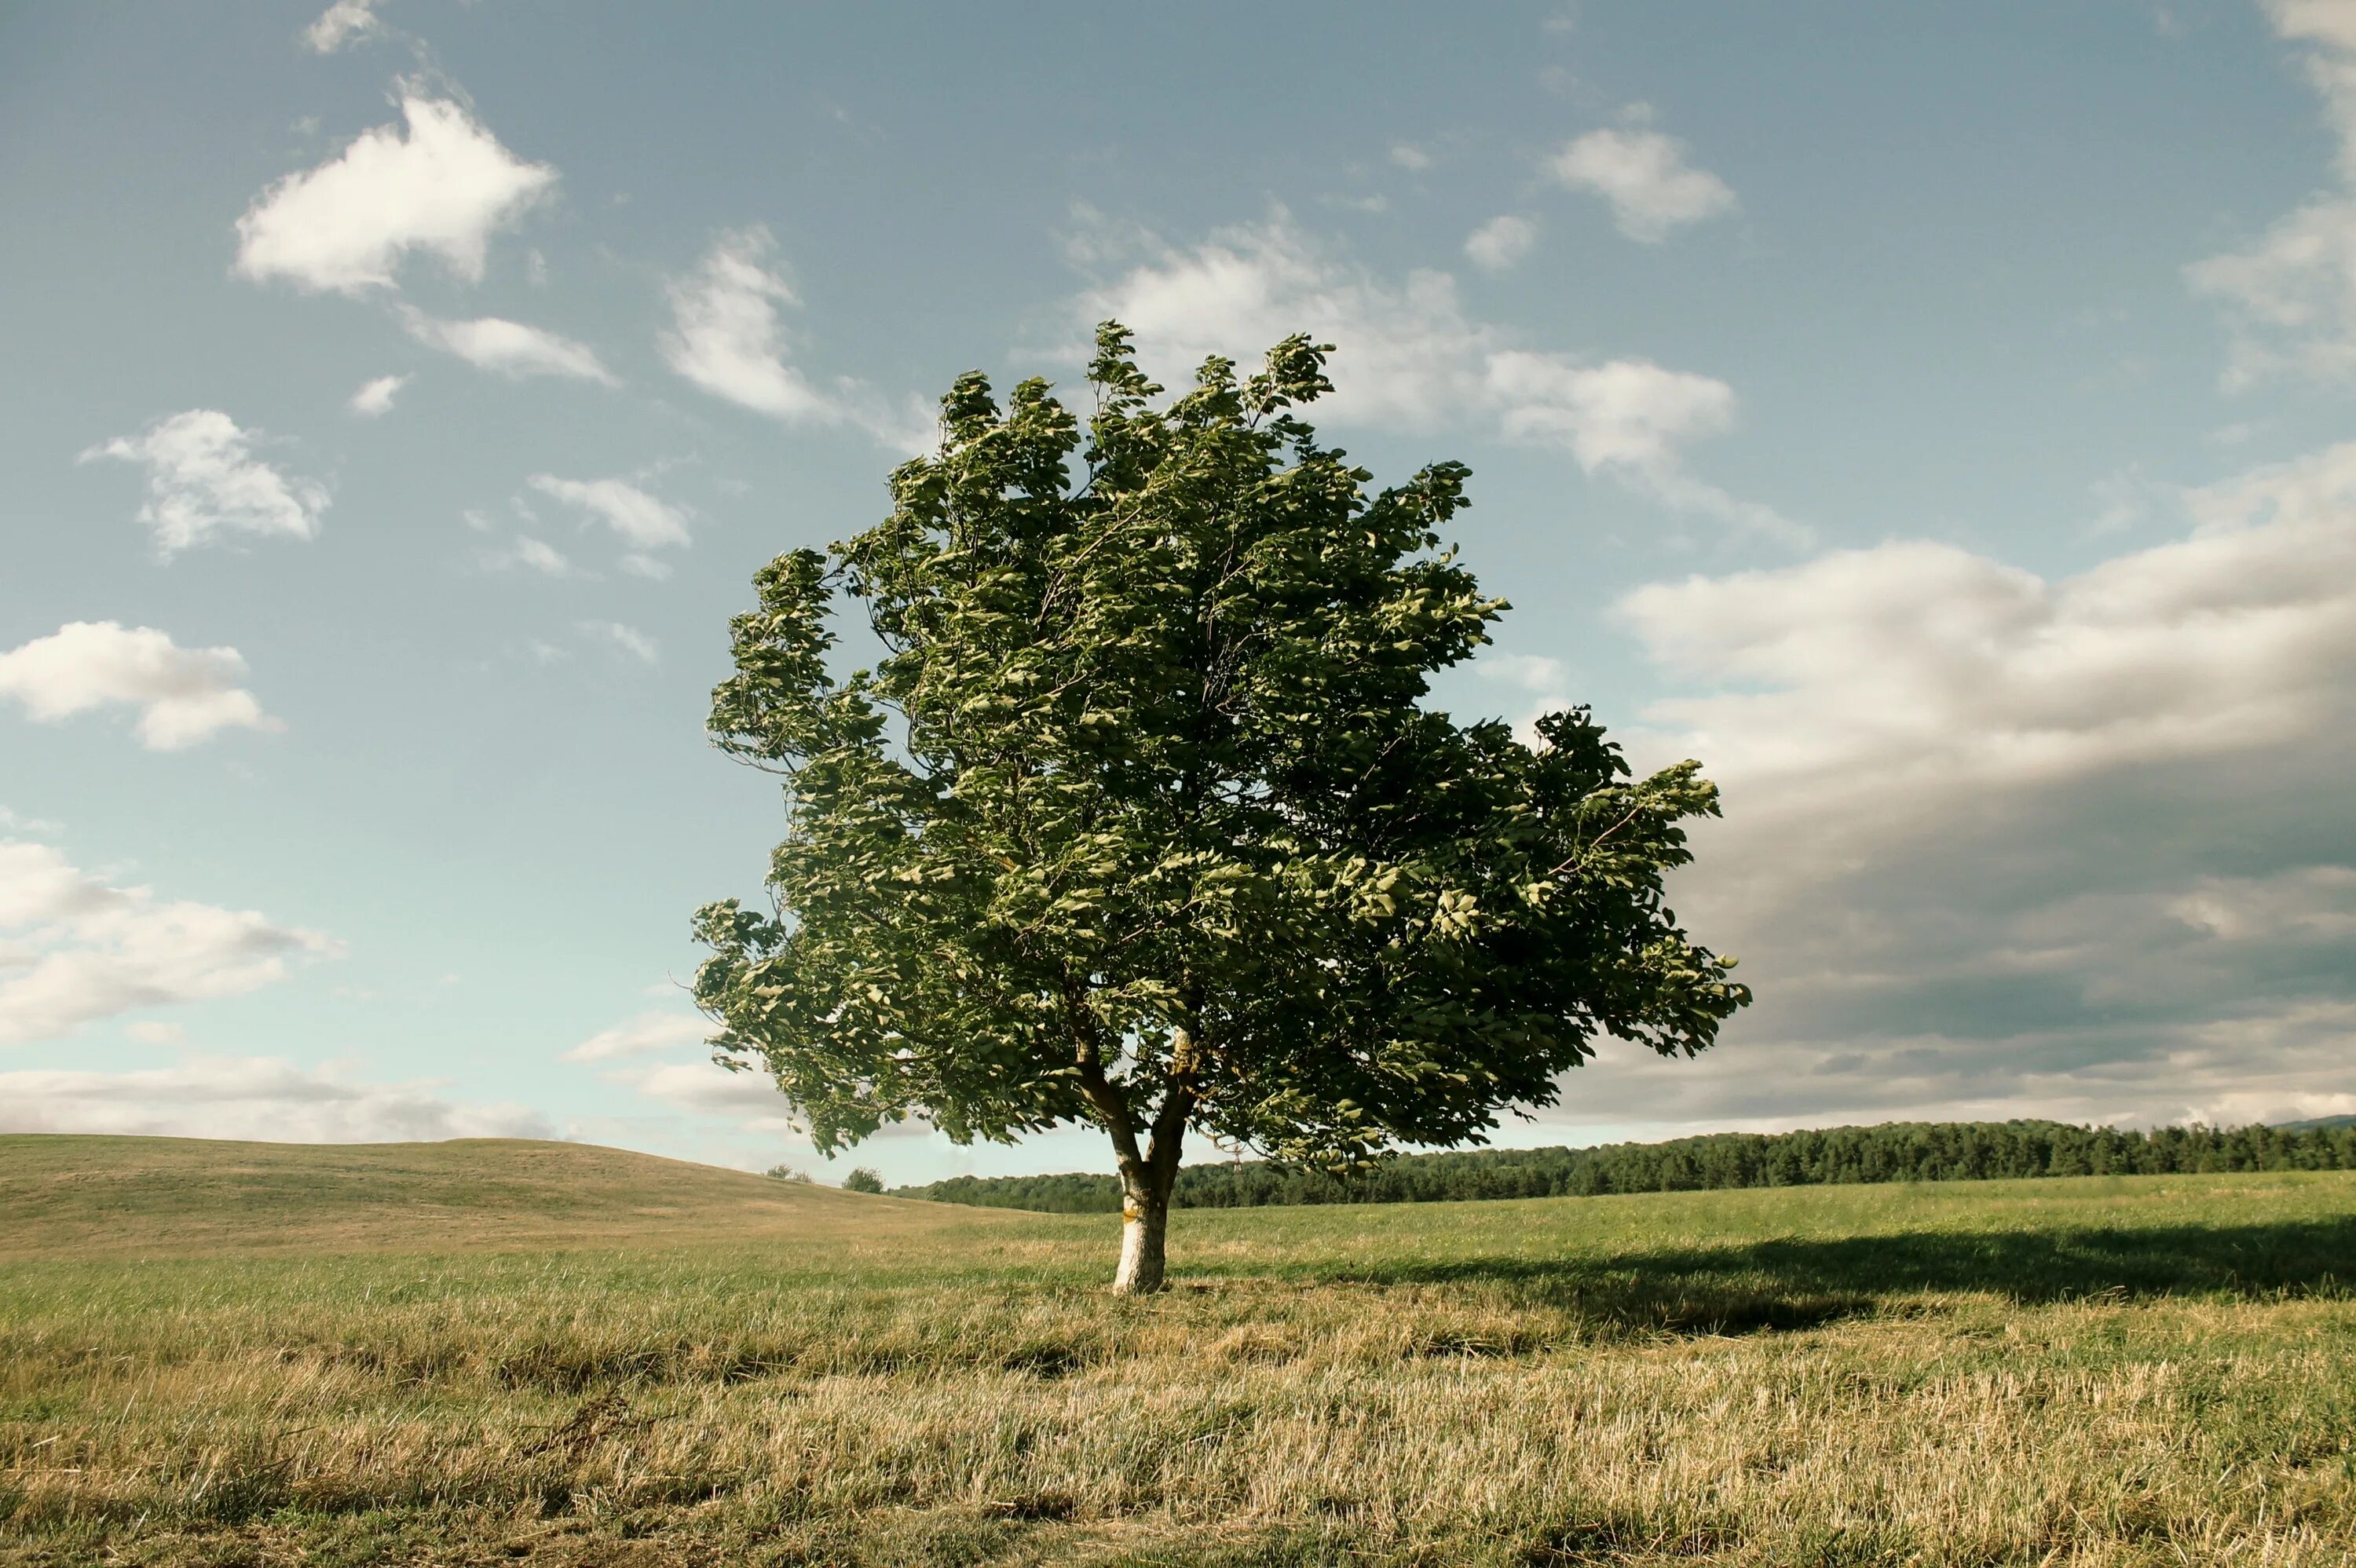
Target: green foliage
1896,1151
1141,820
786,1173
862,1179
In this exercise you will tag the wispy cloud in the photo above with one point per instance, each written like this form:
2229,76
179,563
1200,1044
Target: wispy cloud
624,639
262,1098
728,337
204,482
1500,244
508,348
1645,176
2291,296
1409,357
375,398
640,520
79,948
648,1032
343,23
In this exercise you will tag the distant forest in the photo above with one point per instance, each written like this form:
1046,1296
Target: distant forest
1895,1151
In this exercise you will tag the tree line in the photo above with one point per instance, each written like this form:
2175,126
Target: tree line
1894,1151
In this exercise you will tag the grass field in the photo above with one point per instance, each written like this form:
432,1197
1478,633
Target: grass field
491,1352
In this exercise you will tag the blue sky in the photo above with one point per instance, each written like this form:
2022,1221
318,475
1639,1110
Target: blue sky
1930,416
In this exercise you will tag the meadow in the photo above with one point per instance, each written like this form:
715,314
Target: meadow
492,1352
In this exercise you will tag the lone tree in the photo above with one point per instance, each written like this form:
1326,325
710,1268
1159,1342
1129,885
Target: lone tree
1140,819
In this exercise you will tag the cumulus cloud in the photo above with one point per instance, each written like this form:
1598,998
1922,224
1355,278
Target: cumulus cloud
266,1099
1408,356
1998,844
1645,176
727,337
75,949
203,482
2291,296
508,348
624,639
1499,245
442,187
183,695
345,22
375,398
640,520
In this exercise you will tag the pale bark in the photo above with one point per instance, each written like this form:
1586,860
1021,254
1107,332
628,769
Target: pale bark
1144,1226
1148,1174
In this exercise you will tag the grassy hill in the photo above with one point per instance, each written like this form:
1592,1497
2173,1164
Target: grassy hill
463,1353
67,1196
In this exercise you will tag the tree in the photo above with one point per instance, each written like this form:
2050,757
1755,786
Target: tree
1140,820
862,1179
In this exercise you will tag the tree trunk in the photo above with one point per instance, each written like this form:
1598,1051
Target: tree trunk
1144,1222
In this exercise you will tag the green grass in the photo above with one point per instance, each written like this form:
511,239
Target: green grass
492,1352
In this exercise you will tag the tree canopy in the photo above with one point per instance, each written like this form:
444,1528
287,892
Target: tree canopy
1140,819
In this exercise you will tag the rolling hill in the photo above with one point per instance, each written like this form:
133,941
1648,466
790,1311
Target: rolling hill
73,1196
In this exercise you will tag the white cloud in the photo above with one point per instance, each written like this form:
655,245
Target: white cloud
75,949
344,22
183,695
267,1099
1544,682
644,521
642,1033
1632,419
508,348
1408,357
1645,176
1531,672
1628,414
203,481
726,337
531,555
376,397
625,639
691,1082
1408,156
648,567
150,1031
2291,297
2002,845
749,1098
1500,244
444,188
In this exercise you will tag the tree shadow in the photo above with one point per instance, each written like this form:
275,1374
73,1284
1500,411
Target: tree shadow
1791,1283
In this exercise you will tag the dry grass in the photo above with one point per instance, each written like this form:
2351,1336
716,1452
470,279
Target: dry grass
2149,1370
109,1196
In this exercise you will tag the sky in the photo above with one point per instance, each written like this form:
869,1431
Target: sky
1937,419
